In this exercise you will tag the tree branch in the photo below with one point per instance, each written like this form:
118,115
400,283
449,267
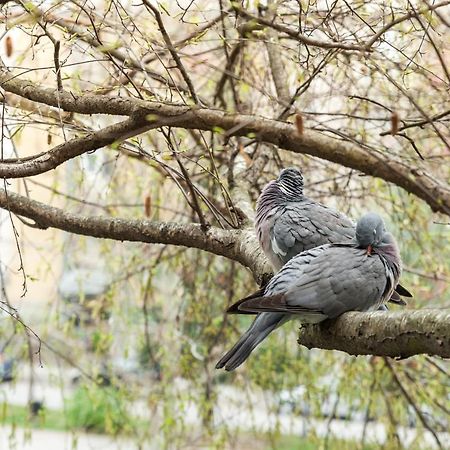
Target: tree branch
277,68
296,34
284,135
387,334
400,19
43,162
394,334
238,245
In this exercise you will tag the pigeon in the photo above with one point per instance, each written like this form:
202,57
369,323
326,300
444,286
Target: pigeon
322,283
288,223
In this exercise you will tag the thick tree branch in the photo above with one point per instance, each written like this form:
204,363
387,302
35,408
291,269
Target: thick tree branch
411,178
277,68
43,162
387,334
395,334
238,245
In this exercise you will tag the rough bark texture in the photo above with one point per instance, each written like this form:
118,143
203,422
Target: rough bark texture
238,245
284,135
388,334
395,334
43,162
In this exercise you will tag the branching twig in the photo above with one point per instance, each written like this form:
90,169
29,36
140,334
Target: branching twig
297,35
172,50
413,404
400,19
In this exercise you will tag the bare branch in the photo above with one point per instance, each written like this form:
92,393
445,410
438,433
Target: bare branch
284,135
402,19
278,71
297,35
394,334
238,245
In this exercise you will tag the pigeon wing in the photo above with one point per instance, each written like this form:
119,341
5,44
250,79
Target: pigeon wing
304,225
339,279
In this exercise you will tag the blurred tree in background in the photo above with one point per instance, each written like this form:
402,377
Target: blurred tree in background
159,123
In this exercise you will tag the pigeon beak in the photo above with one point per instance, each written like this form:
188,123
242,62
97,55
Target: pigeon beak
369,250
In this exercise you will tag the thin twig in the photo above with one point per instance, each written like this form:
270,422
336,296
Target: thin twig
412,402
430,38
172,50
195,205
14,314
57,65
402,19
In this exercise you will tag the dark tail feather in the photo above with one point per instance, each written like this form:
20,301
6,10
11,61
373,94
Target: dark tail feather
261,327
234,308
395,298
401,290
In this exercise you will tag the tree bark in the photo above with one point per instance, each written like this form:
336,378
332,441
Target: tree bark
411,178
238,245
392,334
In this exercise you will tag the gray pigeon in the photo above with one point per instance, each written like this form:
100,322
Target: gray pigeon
288,223
322,283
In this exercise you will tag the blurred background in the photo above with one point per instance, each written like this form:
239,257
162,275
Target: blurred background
108,344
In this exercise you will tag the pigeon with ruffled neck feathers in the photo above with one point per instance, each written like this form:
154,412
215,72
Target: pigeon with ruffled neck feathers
288,223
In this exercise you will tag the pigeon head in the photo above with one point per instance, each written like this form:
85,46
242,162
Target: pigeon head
370,230
290,182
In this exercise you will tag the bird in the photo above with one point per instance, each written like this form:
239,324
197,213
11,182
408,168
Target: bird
288,223
322,283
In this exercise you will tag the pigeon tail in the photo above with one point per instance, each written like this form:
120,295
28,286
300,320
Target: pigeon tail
261,327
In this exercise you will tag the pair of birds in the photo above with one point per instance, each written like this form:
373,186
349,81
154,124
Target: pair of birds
326,267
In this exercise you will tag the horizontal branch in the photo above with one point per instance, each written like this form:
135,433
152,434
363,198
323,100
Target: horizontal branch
394,334
411,178
388,334
296,34
238,245
43,162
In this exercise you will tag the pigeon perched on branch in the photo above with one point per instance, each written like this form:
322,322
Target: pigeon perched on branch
288,223
322,283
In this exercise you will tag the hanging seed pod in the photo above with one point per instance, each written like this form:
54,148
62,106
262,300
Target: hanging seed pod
9,46
299,124
147,206
394,123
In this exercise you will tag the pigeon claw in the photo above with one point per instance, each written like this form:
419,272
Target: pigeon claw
369,250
